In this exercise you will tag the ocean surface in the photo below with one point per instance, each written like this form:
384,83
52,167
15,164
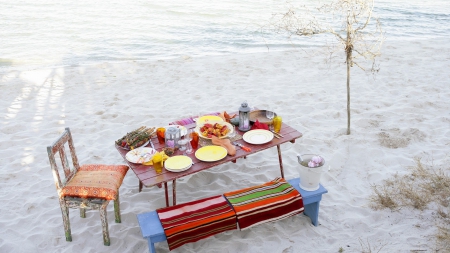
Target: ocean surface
43,33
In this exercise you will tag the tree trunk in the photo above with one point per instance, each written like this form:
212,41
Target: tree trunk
349,55
348,50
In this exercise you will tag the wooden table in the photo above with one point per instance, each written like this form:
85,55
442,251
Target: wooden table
148,177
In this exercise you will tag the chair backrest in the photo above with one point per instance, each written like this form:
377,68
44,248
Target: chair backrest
59,147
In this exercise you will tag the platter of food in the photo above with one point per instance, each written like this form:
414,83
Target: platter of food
220,129
137,138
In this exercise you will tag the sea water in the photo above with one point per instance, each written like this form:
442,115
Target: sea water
45,33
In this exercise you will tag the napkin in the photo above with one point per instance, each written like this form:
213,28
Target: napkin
259,125
165,157
226,117
226,143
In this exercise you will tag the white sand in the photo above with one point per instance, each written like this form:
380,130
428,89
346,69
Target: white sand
401,114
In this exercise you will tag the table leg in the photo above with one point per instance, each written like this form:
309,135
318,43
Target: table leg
174,194
140,186
167,194
281,160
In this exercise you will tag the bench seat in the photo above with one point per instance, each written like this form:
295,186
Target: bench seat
153,231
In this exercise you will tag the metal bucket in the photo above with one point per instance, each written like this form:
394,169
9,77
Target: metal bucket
309,176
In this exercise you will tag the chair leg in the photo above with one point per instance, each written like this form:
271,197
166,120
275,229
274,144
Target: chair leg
104,218
83,212
117,209
66,220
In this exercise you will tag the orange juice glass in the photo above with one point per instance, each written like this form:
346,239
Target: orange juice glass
160,132
194,140
158,162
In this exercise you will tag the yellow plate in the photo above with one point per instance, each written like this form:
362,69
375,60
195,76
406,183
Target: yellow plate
210,153
208,118
178,163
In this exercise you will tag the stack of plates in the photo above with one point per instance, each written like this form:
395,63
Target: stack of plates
178,163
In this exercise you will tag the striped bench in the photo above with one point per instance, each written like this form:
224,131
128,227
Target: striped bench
153,231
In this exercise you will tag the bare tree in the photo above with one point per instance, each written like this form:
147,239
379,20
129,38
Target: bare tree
354,17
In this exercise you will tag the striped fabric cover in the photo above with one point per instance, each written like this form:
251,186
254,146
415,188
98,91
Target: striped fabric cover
96,181
196,220
187,121
271,201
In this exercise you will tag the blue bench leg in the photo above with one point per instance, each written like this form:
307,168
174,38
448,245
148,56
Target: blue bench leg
312,211
151,246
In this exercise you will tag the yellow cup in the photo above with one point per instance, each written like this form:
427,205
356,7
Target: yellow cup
158,162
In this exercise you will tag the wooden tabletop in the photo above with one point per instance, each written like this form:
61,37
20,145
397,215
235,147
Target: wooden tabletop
148,177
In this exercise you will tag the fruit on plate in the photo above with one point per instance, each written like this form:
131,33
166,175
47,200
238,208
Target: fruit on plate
216,129
136,138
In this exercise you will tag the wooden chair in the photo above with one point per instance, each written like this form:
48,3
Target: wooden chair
86,186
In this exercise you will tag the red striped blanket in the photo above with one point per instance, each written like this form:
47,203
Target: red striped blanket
196,220
271,201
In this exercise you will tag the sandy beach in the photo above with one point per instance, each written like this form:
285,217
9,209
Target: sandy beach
400,114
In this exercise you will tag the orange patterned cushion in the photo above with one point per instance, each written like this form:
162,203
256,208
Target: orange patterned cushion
96,181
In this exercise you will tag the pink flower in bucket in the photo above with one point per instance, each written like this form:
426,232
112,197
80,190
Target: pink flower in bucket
315,161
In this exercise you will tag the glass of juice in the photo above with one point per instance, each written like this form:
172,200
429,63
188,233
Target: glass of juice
158,162
160,132
194,140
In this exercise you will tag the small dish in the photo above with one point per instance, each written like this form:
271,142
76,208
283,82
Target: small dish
260,115
258,136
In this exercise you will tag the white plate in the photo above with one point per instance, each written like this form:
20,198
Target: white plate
211,153
183,130
258,136
178,163
140,155
229,126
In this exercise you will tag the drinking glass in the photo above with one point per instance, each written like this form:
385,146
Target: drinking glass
270,115
232,132
160,132
188,138
183,144
158,162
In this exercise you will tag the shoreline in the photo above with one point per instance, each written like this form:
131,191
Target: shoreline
297,48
